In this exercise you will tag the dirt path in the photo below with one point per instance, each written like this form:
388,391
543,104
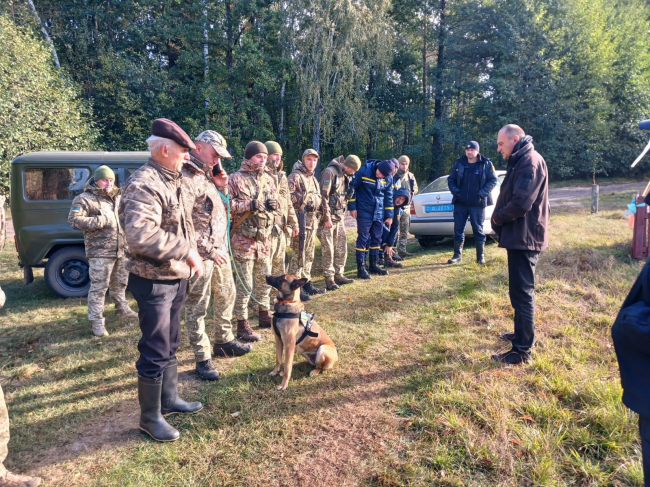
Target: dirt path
579,192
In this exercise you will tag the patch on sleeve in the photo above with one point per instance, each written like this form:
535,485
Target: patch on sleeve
76,208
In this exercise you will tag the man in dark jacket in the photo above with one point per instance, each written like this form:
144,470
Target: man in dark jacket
471,181
371,203
520,219
401,199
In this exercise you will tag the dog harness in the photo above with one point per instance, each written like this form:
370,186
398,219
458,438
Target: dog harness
306,320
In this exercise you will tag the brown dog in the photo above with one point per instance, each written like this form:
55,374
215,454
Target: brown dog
294,333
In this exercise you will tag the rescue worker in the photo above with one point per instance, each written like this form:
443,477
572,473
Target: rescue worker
389,234
371,203
471,182
253,206
407,180
306,199
161,257
334,184
285,225
95,213
206,184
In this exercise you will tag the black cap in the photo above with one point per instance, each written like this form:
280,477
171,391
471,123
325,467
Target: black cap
472,144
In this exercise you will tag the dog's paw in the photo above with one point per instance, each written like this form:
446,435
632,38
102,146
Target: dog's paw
315,372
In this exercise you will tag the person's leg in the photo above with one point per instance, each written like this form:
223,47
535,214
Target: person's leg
155,301
117,289
100,273
310,246
363,238
376,231
340,248
177,293
477,218
296,259
461,213
261,269
326,237
404,224
199,290
244,271
644,430
521,277
279,250
4,432
224,303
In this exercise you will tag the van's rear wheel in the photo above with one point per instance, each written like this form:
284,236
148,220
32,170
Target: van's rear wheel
66,272
428,242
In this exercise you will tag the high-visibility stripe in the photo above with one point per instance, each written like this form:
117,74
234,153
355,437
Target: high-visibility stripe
361,250
376,248
389,208
350,201
368,179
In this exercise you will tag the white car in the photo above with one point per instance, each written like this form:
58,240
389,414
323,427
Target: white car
432,214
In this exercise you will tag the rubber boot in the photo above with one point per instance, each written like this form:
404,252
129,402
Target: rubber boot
362,273
380,259
480,252
373,268
170,403
152,421
458,253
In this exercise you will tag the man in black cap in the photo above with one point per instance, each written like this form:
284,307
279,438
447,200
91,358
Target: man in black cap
161,256
471,182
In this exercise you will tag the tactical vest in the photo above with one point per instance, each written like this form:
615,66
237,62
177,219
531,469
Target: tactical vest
337,200
258,224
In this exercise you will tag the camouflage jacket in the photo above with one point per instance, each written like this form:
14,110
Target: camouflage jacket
157,222
305,193
209,212
251,240
285,218
406,180
95,213
334,183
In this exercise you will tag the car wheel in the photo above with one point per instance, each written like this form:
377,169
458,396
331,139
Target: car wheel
427,243
67,273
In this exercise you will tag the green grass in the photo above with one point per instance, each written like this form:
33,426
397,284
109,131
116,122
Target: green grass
413,401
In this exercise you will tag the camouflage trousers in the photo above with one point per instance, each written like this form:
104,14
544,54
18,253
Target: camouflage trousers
250,271
310,244
106,274
278,254
334,246
404,224
4,431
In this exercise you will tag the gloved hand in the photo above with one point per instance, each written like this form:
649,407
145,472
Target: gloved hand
256,205
271,204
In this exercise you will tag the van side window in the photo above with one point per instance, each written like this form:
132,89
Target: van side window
54,183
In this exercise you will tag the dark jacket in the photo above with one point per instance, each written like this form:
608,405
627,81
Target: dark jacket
631,335
522,211
389,235
488,179
371,196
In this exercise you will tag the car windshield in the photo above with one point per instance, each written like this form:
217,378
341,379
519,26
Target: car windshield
438,186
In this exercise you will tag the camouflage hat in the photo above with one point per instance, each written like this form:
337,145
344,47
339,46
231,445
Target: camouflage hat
273,147
353,162
216,140
310,152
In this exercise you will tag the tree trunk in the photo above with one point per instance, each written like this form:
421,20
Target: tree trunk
229,37
424,76
45,34
281,128
438,109
206,59
316,138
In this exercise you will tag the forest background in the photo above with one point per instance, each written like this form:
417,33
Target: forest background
378,78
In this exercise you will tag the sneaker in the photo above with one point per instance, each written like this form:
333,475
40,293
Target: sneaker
14,480
234,348
507,337
206,370
512,357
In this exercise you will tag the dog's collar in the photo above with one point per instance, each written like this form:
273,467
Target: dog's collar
285,301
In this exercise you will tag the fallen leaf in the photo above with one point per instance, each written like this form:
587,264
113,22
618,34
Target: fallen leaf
526,417
236,414
399,300
516,442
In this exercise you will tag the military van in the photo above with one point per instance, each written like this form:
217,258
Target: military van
43,185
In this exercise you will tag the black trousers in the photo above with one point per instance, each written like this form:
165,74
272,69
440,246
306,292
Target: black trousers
159,311
521,281
644,429
476,216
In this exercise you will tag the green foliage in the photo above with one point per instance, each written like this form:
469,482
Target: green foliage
39,108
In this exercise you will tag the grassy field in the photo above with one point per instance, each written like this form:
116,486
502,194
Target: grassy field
413,401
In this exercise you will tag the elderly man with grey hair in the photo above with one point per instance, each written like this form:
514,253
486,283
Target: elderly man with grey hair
161,256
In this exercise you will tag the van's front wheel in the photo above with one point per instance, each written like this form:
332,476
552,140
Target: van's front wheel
66,272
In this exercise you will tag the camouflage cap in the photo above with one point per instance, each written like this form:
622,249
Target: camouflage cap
310,152
216,140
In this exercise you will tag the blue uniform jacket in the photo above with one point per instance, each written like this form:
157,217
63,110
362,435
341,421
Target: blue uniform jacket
488,179
389,235
371,196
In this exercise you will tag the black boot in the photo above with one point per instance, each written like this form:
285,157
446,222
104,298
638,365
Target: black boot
389,262
380,259
458,252
170,403
312,290
207,370
304,296
373,268
480,248
362,273
151,419
397,258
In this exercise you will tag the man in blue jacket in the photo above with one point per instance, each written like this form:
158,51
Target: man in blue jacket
371,203
401,197
471,181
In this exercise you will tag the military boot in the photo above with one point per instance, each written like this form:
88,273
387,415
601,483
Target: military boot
265,318
480,252
304,296
170,403
152,421
397,258
342,280
362,272
405,254
99,330
234,348
206,370
330,285
389,262
126,314
458,253
312,290
9,479
373,268
246,333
